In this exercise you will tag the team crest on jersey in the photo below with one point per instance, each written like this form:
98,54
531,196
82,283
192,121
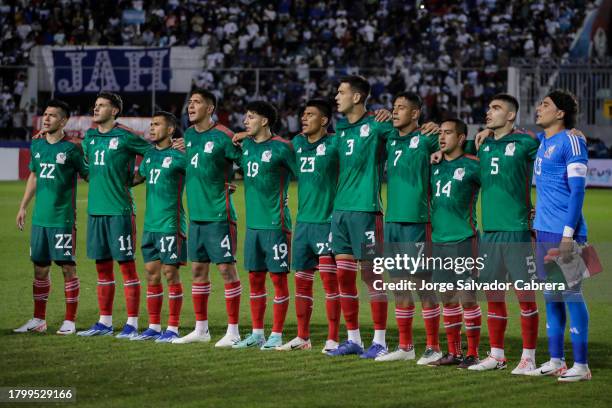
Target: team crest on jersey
167,162
486,149
510,148
114,143
266,156
414,142
459,174
549,151
37,156
209,146
60,158
364,130
321,150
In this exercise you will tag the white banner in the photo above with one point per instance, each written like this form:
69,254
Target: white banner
600,173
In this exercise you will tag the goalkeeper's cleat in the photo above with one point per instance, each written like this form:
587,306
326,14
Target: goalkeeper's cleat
575,374
32,325
330,345
346,349
228,340
274,341
68,327
149,334
489,363
128,332
195,336
375,350
429,356
550,367
524,367
167,337
253,340
296,344
98,329
398,355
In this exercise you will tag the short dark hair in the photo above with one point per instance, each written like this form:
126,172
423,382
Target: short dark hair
509,99
206,94
460,125
169,117
566,101
358,84
114,99
322,105
411,97
265,109
61,105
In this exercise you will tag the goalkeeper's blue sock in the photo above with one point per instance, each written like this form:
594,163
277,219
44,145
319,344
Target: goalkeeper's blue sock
579,326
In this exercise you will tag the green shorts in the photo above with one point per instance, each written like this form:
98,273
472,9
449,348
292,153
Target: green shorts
454,261
411,239
508,256
52,244
111,237
167,248
310,241
267,250
212,241
357,233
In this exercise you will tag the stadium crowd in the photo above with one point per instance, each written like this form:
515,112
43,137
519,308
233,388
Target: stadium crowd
447,49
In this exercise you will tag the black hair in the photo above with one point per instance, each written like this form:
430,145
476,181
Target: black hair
566,101
206,94
169,117
114,99
509,99
460,125
61,105
359,85
411,97
322,105
265,109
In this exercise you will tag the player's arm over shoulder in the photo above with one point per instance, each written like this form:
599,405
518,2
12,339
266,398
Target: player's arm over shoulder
135,140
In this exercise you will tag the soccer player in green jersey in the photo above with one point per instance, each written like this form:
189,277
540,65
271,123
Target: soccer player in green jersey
455,182
212,219
268,163
357,218
506,163
408,225
55,165
110,150
317,162
163,241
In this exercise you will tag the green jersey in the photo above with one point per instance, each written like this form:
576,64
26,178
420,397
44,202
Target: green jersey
454,186
267,168
56,167
317,177
209,170
111,157
361,163
164,171
506,168
408,193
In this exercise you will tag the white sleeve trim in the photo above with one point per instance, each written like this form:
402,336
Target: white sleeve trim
577,170
568,232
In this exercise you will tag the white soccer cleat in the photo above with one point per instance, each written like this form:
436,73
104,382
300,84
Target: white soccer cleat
330,345
398,355
576,374
429,356
193,337
32,325
296,344
227,341
549,368
68,327
489,363
524,367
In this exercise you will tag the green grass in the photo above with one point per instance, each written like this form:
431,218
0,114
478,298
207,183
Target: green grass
109,372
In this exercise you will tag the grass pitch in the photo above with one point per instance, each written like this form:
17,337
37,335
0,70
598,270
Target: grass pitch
109,372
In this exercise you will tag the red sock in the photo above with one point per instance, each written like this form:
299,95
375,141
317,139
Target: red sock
155,298
404,316
257,281
497,318
529,323
40,292
378,307
303,301
473,319
199,295
452,325
281,300
349,299
327,269
106,287
71,294
232,301
431,318
131,287
175,303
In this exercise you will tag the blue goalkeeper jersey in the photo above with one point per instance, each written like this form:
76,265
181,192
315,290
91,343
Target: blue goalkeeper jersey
554,156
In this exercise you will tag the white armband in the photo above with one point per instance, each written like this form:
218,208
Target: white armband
576,170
